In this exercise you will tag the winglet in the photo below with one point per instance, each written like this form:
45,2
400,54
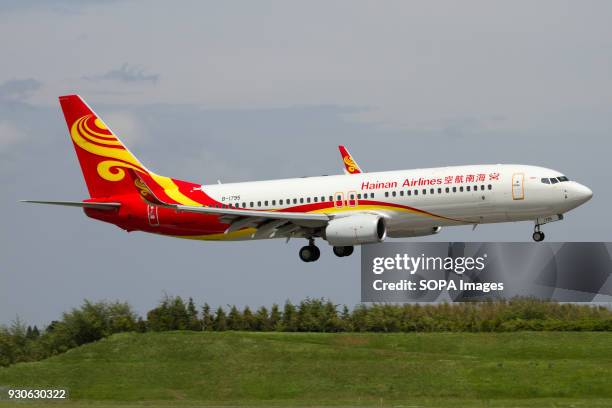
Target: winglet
350,166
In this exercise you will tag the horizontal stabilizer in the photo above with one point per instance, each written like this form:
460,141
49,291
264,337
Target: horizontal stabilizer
97,206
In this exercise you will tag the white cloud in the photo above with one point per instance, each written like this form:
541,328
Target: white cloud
412,62
127,127
18,89
126,73
10,135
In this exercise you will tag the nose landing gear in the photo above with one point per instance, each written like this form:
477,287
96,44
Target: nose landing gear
310,252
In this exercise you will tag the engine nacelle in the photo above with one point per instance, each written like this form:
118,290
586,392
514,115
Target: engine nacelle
356,229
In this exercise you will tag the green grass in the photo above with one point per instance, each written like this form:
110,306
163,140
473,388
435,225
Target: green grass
237,368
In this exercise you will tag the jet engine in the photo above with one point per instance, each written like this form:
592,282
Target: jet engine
356,229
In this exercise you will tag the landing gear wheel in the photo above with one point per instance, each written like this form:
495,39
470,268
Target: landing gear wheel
538,236
309,253
343,250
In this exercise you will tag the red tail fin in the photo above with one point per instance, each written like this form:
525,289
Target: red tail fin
102,156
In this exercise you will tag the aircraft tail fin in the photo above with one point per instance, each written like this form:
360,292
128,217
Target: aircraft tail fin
104,159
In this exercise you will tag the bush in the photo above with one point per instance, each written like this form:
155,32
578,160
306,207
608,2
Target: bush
93,321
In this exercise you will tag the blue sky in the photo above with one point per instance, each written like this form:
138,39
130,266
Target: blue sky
243,91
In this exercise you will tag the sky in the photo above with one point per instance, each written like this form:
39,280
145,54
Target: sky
238,91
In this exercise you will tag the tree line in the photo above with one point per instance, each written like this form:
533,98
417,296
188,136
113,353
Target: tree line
93,321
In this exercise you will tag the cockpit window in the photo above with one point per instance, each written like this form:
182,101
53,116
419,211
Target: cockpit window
545,181
562,178
553,180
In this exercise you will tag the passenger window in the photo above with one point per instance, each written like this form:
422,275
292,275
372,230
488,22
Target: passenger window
482,188
416,192
251,204
273,202
259,203
331,198
393,193
386,194
439,191
308,199
295,201
454,189
468,188
409,192
424,191
280,202
431,190
266,203
490,187
461,189
447,190
322,199
301,200
371,195
402,193
316,199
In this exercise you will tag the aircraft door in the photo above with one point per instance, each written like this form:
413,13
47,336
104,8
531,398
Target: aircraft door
152,215
352,199
339,200
518,186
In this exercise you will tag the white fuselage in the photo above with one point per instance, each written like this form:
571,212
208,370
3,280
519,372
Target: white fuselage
416,200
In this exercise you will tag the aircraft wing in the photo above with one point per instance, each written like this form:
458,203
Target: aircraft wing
297,216
267,223
350,165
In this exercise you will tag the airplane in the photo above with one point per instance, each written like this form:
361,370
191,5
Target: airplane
344,210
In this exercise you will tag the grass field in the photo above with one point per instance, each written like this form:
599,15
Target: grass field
524,369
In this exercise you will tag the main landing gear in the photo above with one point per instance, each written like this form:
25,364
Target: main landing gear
310,252
343,250
538,235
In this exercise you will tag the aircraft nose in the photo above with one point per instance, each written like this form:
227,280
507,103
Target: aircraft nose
581,193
